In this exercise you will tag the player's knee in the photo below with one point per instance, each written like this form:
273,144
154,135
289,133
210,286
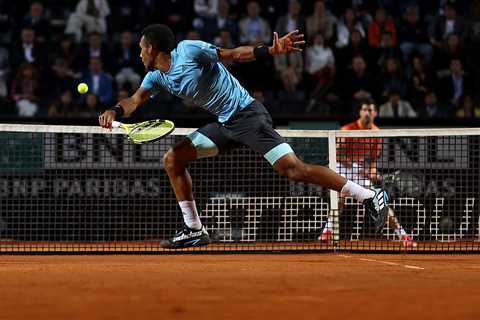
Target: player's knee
292,170
170,161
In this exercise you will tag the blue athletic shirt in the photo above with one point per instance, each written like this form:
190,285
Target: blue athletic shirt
197,75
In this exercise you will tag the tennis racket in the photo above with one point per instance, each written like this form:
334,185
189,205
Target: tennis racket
147,131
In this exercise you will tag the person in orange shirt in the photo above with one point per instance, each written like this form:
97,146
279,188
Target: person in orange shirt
357,161
381,24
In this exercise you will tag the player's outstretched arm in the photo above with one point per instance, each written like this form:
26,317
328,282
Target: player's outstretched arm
288,43
124,107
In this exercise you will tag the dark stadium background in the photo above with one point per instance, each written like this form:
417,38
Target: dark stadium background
61,57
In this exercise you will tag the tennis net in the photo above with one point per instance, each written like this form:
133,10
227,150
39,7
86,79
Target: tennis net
85,189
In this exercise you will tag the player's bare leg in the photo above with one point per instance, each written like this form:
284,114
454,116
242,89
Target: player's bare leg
375,201
296,170
175,161
395,225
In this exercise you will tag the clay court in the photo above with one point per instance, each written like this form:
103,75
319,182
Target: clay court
282,286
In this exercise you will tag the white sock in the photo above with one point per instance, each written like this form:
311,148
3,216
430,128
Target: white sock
400,232
190,214
356,191
328,225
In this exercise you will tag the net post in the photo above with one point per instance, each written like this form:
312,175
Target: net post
332,164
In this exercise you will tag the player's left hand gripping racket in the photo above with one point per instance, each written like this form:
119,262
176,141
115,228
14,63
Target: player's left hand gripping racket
147,131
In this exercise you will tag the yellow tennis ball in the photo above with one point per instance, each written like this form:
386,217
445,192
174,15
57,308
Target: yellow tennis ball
82,88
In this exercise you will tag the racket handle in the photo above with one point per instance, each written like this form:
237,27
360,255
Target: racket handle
116,124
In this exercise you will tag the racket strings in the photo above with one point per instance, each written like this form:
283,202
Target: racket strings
150,130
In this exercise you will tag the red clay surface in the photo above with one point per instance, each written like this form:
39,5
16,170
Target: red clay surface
308,286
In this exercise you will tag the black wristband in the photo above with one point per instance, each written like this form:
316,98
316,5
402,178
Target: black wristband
118,109
261,52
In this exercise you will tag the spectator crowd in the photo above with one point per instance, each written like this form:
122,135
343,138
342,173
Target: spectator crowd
415,58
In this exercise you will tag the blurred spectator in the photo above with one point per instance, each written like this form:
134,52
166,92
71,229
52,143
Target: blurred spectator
443,55
148,12
89,14
289,68
293,20
396,107
362,8
177,14
320,22
472,33
57,13
224,39
380,25
358,83
193,35
472,41
386,50
127,65
429,9
99,82
222,21
61,79
443,25
455,85
253,28
7,21
38,22
395,7
320,64
28,50
66,51
206,8
91,107
462,6
356,46
94,48
413,36
25,91
431,108
421,80
63,106
345,27
124,16
392,78
467,107
4,71
271,9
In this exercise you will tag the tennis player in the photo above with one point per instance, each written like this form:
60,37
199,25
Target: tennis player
357,161
193,70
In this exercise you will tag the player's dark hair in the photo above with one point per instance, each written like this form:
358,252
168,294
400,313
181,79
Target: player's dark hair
367,101
160,37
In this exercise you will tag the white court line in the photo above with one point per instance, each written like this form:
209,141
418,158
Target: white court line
386,262
413,267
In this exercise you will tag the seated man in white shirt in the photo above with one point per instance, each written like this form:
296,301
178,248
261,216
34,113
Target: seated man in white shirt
320,64
396,107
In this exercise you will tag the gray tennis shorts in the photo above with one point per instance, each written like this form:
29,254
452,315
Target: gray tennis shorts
251,127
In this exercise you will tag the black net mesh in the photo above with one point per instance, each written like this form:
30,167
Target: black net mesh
93,192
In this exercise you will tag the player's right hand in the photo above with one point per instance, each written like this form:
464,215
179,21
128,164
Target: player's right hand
106,119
